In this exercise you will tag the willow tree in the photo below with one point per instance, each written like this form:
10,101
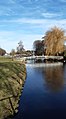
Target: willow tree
54,41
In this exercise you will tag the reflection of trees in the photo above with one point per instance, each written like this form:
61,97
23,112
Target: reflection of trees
54,77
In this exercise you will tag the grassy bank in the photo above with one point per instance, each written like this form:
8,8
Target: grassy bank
12,77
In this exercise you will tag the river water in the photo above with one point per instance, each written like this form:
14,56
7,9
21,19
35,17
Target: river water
44,94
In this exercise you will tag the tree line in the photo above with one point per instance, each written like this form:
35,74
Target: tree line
52,43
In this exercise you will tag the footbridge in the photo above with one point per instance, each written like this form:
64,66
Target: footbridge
43,58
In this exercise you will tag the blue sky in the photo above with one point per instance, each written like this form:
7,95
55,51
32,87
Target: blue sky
28,20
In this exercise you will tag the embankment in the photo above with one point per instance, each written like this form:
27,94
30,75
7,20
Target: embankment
12,77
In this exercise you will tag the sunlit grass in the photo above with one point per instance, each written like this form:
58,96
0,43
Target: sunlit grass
12,77
4,59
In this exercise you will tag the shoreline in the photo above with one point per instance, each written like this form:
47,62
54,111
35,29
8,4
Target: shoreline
12,79
45,64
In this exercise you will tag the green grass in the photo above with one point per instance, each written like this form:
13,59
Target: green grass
5,59
12,77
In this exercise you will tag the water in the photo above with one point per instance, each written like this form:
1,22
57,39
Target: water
44,94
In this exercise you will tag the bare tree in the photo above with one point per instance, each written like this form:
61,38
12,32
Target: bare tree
54,41
20,47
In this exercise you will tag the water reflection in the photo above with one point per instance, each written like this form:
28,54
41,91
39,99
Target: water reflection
54,77
40,99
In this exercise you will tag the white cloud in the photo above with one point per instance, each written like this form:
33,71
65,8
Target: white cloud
10,39
39,25
35,21
50,15
25,20
42,24
35,25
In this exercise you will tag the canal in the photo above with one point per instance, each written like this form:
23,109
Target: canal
44,94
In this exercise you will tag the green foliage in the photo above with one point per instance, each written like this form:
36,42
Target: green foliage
2,52
38,47
12,53
52,43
